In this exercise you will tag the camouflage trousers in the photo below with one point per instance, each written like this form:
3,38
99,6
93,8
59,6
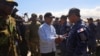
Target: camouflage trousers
34,48
4,50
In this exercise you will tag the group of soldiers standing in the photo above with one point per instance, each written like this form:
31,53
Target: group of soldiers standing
7,29
14,32
18,37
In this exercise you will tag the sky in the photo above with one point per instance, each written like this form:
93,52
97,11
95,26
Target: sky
89,8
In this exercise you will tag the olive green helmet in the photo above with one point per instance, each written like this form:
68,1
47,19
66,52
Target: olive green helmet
10,1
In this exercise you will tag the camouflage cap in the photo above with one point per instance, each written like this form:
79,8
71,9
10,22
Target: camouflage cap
33,15
10,1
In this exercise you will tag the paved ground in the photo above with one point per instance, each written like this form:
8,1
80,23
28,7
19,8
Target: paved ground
58,51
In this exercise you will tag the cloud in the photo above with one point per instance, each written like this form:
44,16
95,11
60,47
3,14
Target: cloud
85,12
94,12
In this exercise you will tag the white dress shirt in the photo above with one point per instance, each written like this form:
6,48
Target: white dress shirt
47,36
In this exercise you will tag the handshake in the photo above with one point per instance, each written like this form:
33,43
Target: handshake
60,38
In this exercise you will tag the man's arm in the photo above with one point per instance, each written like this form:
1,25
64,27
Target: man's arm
81,42
42,35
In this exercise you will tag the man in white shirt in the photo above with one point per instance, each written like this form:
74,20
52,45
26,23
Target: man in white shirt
47,36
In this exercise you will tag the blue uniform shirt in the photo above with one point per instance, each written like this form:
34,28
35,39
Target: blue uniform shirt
77,40
63,29
92,28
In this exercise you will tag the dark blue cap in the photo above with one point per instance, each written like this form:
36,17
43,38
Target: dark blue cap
48,14
75,11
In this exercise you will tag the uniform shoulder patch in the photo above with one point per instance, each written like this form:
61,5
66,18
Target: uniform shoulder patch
80,30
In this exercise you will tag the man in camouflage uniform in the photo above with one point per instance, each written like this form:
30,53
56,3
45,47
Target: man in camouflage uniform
7,28
33,36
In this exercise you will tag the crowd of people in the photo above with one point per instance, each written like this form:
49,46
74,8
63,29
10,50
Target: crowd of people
41,36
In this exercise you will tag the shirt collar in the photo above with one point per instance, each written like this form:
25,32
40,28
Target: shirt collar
47,24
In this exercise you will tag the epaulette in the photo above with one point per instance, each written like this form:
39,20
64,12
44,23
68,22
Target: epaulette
38,22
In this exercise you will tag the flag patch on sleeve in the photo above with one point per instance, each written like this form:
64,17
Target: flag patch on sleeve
80,30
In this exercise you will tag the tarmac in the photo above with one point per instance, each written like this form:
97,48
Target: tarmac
58,51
